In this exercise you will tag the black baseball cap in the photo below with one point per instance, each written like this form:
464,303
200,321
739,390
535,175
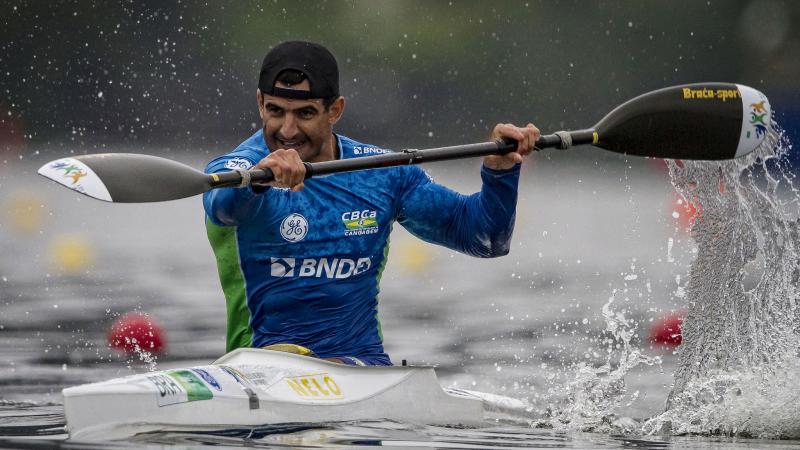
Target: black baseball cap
316,62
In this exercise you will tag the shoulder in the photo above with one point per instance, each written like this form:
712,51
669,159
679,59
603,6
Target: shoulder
243,157
351,148
405,175
416,175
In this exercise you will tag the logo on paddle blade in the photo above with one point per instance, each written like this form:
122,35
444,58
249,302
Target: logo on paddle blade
757,120
70,171
759,115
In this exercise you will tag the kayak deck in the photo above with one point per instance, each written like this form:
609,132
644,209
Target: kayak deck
256,387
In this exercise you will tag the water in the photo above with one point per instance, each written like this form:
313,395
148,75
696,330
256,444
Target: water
560,323
739,360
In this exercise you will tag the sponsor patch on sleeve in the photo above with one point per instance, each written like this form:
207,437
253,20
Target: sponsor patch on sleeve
238,164
367,150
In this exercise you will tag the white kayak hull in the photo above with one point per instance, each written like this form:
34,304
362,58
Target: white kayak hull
255,387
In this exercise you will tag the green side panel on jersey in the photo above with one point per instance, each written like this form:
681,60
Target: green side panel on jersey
378,283
223,242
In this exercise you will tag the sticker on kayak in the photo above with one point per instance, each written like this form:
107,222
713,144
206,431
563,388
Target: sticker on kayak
319,386
252,397
262,378
77,176
208,378
169,392
195,389
179,386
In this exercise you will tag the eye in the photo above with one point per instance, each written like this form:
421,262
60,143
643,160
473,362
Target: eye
274,110
307,113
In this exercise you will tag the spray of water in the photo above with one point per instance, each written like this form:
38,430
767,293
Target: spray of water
739,358
592,394
596,394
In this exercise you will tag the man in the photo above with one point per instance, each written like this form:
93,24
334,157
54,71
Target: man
300,262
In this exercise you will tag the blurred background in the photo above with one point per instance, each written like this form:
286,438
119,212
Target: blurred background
182,75
179,80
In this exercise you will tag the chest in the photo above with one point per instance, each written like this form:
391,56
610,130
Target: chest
337,214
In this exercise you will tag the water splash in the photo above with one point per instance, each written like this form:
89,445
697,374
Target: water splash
145,357
596,394
738,362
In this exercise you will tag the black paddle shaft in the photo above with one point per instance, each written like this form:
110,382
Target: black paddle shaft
563,139
703,121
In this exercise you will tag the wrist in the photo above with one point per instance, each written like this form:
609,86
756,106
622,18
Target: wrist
502,162
514,168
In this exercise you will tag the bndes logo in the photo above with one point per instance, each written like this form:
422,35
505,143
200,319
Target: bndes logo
366,150
281,267
318,267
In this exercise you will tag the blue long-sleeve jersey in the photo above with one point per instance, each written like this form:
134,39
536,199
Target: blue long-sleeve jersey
304,267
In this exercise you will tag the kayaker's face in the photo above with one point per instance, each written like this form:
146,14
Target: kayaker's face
303,125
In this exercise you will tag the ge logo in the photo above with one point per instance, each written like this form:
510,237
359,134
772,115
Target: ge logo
294,227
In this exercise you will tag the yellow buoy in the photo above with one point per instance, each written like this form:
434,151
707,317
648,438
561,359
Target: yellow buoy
24,212
413,255
71,253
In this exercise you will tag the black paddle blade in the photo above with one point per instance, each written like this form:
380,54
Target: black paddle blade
706,121
127,177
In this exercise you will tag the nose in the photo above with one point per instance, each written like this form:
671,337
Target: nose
289,127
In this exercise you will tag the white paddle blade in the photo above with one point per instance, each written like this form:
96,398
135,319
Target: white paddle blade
77,176
755,119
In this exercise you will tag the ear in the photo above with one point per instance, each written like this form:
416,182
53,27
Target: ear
336,110
260,100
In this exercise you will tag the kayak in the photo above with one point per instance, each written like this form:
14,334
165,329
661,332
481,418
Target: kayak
255,387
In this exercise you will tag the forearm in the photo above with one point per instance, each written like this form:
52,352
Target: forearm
232,206
479,224
491,214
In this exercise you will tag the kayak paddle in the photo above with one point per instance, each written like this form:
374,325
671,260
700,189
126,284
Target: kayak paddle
704,121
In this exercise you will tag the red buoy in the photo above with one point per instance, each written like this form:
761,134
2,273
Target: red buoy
666,330
134,332
685,213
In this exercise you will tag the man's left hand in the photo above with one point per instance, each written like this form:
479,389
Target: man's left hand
526,139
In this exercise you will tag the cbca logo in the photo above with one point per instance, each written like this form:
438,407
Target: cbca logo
294,227
357,223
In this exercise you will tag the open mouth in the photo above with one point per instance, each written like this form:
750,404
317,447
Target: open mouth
293,144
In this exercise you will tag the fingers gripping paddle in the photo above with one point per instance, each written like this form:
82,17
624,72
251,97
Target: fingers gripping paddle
706,121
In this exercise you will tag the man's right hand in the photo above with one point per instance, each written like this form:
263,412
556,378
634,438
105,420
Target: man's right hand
287,167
